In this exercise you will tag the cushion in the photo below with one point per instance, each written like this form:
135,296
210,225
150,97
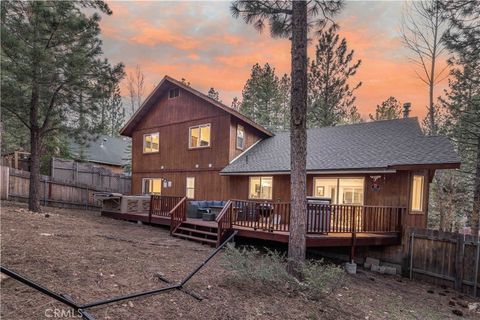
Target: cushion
202,204
218,203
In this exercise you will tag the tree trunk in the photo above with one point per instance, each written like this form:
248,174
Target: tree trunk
298,140
476,193
34,187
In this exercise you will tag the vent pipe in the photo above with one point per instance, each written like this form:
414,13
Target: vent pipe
406,109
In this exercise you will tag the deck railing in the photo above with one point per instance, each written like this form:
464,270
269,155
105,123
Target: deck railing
178,214
321,218
224,221
162,205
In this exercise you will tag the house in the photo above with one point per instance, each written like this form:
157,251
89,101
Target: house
375,176
104,151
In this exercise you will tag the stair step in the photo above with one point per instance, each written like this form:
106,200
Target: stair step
181,235
213,234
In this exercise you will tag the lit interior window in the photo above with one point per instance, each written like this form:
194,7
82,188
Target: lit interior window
152,186
340,190
151,142
240,137
261,188
190,188
200,136
417,193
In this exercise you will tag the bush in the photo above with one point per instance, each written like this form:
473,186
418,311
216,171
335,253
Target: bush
249,267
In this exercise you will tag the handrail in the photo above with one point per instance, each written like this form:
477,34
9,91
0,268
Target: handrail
178,214
224,222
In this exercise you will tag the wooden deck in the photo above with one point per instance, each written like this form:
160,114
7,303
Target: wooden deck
331,239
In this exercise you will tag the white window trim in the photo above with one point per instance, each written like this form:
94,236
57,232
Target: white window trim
236,137
199,135
338,187
422,195
187,188
250,184
143,142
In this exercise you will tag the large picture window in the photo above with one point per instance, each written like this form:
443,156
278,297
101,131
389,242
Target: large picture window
151,142
190,192
340,190
151,186
199,136
417,193
260,188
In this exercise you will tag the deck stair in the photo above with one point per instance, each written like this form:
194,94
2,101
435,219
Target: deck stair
203,234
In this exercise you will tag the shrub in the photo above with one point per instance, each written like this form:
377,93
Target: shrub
250,267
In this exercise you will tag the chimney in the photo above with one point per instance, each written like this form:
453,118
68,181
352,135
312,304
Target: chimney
406,109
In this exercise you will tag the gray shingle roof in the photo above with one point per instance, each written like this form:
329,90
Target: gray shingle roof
105,149
371,145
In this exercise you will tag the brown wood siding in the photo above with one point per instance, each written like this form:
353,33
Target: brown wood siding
251,136
395,189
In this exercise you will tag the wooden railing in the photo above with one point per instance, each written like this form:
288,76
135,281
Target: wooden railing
321,218
178,214
162,205
224,221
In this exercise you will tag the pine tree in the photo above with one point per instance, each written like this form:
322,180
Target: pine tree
236,104
214,94
263,99
331,97
387,110
292,19
52,69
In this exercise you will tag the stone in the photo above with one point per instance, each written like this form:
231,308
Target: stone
372,261
377,268
393,265
351,268
390,270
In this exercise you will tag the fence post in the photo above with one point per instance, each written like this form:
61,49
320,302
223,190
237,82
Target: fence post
459,253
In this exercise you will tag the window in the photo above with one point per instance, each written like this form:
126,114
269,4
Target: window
240,137
151,185
340,190
151,142
174,93
260,188
190,188
417,193
199,136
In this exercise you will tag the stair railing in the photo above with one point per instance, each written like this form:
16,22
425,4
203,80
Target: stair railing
178,214
224,221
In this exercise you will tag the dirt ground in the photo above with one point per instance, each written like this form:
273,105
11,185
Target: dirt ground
92,257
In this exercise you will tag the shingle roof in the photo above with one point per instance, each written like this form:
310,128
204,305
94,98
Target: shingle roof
371,145
105,149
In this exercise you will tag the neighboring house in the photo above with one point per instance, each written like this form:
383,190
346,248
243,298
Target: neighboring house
187,144
105,151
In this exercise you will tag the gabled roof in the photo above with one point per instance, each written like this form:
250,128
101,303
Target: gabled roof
162,87
380,145
105,150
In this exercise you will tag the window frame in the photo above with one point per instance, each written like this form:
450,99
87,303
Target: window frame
175,90
199,136
422,195
152,178
250,185
337,189
187,188
144,142
243,138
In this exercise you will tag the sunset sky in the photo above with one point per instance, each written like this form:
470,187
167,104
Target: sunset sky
201,42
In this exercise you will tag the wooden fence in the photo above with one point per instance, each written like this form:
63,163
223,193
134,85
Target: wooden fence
88,174
445,258
15,186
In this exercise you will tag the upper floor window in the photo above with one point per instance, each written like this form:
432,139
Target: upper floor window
199,136
260,188
340,190
151,185
240,137
151,142
173,93
417,193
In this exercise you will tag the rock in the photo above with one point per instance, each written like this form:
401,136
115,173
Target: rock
130,304
390,270
457,312
47,215
351,268
474,306
3,278
372,261
377,268
451,303
397,267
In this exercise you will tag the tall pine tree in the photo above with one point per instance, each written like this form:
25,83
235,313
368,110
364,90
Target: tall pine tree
330,96
52,71
387,110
